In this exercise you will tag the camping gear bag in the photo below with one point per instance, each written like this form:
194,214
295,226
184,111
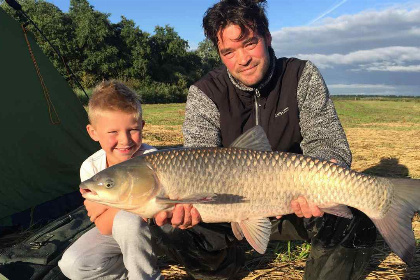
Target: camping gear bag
37,256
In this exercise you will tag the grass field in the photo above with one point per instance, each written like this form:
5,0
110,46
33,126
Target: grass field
384,138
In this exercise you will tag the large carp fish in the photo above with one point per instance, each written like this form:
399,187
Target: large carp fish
248,182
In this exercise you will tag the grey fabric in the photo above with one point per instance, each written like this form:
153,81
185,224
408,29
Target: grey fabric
323,135
127,254
201,126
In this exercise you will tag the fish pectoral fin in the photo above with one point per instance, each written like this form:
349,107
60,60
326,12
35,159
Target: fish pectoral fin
253,139
237,231
257,233
191,199
339,210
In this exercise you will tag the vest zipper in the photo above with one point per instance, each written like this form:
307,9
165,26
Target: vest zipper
257,105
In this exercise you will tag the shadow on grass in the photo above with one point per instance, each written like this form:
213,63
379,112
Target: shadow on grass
387,167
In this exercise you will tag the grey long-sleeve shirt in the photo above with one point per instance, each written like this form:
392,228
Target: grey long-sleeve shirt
323,135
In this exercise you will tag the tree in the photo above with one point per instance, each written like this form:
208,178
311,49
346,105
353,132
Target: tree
135,50
169,52
57,27
209,55
95,40
160,66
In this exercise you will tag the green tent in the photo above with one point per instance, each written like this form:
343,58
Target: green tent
43,139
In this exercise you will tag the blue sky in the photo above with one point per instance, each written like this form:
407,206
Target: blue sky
360,46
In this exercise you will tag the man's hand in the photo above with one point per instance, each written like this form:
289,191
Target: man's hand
182,216
302,208
94,210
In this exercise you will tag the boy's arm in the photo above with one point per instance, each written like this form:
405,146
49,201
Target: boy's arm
103,216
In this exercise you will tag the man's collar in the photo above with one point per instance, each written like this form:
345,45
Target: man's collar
264,82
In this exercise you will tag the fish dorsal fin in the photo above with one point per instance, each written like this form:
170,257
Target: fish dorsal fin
253,139
256,231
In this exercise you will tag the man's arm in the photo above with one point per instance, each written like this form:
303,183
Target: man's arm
202,121
323,135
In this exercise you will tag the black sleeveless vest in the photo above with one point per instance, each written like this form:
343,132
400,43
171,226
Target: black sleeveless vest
279,115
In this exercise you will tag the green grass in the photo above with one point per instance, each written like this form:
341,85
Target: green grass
164,114
354,113
287,251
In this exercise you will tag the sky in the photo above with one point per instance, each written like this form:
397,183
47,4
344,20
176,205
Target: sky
360,46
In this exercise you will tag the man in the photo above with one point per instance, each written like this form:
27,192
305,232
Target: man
289,99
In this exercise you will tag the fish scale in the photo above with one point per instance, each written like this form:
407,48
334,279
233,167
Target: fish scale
287,175
247,182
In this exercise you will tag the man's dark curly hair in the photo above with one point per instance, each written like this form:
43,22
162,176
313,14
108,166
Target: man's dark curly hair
247,14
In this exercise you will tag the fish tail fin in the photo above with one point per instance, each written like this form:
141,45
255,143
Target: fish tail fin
396,226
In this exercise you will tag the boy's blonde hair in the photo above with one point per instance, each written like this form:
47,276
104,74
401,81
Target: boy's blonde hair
113,96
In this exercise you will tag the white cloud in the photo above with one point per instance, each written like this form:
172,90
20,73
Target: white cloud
395,68
379,59
370,29
376,48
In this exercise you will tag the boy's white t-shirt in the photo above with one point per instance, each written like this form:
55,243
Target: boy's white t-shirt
97,162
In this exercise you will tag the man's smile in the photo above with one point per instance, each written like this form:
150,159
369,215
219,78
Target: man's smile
249,69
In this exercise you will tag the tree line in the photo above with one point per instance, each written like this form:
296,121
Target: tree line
159,66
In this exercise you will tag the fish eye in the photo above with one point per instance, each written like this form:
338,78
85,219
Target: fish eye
109,183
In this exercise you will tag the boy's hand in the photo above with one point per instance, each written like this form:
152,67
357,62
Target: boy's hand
182,216
94,210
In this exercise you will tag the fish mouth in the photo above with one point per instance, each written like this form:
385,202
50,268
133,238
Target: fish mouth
87,192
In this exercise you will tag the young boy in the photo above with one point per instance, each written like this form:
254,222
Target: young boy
119,247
